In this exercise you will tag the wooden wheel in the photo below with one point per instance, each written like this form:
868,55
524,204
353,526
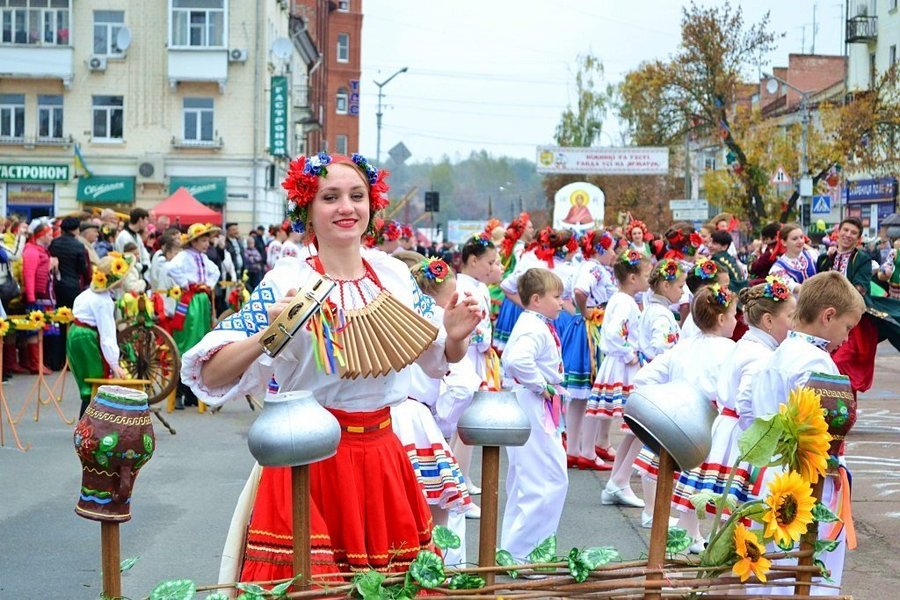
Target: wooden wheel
151,353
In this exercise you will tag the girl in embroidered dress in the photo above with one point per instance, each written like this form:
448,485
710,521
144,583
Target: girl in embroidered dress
657,332
619,346
769,311
592,288
367,509
697,360
704,272
515,237
798,263
637,236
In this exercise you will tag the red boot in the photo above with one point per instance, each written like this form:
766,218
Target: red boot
34,362
11,359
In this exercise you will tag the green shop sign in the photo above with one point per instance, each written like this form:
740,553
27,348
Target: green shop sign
34,172
208,190
278,117
105,189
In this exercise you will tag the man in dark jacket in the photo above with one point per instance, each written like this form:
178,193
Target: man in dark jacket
74,272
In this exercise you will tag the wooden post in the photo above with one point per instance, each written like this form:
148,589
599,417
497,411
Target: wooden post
300,500
808,542
490,483
110,559
659,533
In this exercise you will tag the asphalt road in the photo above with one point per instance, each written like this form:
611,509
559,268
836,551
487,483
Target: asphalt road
185,495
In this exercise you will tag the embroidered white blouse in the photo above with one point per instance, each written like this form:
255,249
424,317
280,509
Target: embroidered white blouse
594,280
658,330
619,334
99,310
190,266
532,357
741,367
697,360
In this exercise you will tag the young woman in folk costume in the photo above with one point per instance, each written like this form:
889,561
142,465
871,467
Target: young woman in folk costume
592,288
91,344
798,263
638,237
519,236
549,250
367,508
515,237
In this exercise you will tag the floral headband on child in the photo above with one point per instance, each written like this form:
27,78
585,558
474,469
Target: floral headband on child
776,289
705,269
669,269
721,296
482,238
632,257
302,184
435,269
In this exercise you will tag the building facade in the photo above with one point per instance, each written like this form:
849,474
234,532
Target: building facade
111,103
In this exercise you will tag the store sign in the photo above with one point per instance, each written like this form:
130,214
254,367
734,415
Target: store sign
105,189
603,161
863,191
29,194
278,117
208,190
353,104
34,172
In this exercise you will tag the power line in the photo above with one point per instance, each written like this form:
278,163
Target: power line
442,136
446,100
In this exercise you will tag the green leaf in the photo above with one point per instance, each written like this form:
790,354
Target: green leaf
109,441
368,585
823,570
217,596
464,581
126,564
251,588
824,546
427,569
444,538
148,443
701,499
677,540
753,510
251,596
785,545
597,556
577,568
175,589
758,442
822,514
505,559
545,552
280,590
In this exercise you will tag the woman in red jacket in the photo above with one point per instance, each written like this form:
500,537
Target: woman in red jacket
37,275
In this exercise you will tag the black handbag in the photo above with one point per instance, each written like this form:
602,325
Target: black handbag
9,289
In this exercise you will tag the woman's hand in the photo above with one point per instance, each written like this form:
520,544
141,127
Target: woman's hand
462,316
276,309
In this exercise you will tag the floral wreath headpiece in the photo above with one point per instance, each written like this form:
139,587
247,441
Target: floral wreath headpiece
635,224
776,289
302,184
669,269
483,238
705,269
435,269
719,295
548,245
631,257
110,271
406,231
514,233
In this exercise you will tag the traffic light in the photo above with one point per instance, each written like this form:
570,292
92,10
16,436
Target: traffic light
432,202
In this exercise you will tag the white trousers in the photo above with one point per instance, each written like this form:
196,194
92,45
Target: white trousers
536,484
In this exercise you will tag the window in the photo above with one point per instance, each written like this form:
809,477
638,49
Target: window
198,119
107,24
36,22
340,144
50,117
343,47
709,163
198,23
344,5
12,115
341,101
109,117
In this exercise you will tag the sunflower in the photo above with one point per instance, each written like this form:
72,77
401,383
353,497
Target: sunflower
748,548
4,327
63,315
175,292
790,503
98,280
805,441
119,267
36,317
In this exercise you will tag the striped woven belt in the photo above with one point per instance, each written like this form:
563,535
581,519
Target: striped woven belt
357,429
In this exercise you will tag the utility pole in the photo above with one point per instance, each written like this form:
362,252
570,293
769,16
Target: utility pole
379,113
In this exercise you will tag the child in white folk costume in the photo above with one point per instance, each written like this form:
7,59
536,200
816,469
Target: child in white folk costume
769,311
704,272
619,346
697,360
91,340
658,331
537,480
827,309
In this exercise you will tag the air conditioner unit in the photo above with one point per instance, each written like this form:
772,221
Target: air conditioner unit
150,170
237,55
97,63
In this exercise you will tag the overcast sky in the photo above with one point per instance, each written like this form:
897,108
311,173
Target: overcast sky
496,74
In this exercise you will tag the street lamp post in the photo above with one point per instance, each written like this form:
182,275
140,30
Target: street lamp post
772,87
379,113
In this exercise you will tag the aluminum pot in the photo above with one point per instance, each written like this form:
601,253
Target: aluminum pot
494,419
293,429
673,416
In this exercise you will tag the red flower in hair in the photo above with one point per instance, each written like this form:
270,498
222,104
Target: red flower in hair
301,187
438,270
696,240
378,199
676,240
606,241
572,244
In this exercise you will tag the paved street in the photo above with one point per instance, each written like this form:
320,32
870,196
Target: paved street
184,498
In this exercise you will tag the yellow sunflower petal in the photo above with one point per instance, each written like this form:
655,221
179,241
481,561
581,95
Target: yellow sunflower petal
790,503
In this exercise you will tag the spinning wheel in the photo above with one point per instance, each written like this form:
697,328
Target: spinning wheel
149,352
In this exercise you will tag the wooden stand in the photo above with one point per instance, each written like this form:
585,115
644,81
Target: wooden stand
490,483
5,414
39,387
300,502
110,559
659,533
808,542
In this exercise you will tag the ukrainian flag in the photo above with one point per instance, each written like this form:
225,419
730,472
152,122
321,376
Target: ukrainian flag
79,162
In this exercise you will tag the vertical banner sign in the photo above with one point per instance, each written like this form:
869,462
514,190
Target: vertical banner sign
278,130
353,108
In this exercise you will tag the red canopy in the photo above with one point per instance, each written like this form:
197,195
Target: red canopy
183,209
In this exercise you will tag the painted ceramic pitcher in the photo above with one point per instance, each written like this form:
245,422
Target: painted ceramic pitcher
113,439
840,408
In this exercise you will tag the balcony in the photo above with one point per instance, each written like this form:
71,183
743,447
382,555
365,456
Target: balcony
198,64
862,29
37,62
30,141
186,144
